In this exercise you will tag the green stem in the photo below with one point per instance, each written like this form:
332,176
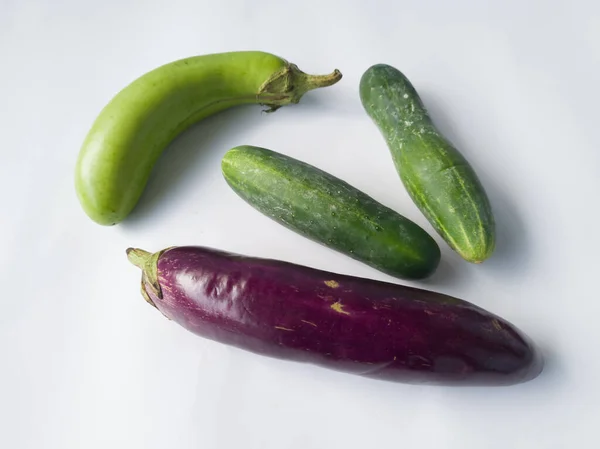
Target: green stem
138,257
289,85
303,82
148,263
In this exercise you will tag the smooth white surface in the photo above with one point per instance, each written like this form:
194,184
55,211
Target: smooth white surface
86,363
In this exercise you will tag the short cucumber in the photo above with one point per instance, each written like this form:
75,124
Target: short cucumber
327,210
437,176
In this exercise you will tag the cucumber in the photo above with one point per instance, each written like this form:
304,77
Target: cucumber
327,210
438,178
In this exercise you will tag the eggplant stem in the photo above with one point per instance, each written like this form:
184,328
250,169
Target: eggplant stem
138,257
148,263
289,84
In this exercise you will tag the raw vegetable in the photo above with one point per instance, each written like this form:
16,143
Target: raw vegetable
131,132
437,176
328,210
360,326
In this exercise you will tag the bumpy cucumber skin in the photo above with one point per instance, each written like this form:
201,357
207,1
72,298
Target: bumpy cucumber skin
130,133
327,210
437,176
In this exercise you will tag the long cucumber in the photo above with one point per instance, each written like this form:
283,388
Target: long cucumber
328,210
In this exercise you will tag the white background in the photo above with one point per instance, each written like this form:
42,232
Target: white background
86,363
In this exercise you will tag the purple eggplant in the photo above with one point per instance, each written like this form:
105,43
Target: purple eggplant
350,324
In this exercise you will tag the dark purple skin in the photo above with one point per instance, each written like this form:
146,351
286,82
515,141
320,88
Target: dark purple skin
360,326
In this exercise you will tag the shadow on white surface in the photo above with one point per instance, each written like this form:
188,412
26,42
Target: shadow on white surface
340,100
449,274
315,403
242,374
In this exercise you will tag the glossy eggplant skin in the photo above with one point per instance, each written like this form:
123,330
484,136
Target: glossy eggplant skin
355,325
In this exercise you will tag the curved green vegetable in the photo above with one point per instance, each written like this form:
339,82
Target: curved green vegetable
326,209
437,176
131,132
